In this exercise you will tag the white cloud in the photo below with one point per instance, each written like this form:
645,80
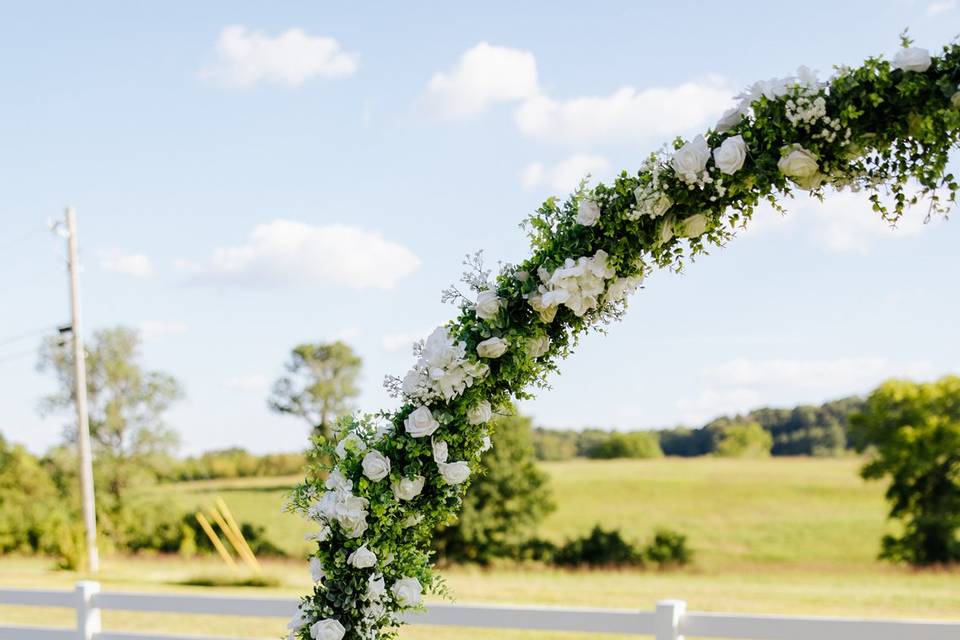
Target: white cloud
284,251
838,375
628,114
125,262
253,383
936,8
404,339
155,329
844,222
246,58
565,176
484,76
714,402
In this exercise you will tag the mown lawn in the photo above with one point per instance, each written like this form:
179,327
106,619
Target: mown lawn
778,535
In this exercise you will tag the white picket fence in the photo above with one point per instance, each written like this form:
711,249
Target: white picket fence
669,621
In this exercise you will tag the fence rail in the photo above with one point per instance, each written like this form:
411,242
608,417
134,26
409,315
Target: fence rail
669,621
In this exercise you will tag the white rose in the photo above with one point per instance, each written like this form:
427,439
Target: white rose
588,212
730,118
412,383
955,100
376,586
912,59
695,225
328,629
337,481
350,443
439,450
376,466
487,444
362,558
622,287
730,155
479,413
690,160
454,472
800,165
538,345
666,231
420,423
408,488
407,591
492,348
316,570
488,305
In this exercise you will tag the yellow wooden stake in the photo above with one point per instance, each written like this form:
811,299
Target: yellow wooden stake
236,530
231,536
215,539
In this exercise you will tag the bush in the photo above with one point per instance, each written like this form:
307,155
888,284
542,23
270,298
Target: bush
748,440
668,549
504,505
635,444
599,549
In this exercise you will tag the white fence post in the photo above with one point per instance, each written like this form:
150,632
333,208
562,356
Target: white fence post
666,620
88,616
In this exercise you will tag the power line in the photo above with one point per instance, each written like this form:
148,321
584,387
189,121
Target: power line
29,334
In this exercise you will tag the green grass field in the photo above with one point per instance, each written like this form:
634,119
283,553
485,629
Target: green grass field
776,535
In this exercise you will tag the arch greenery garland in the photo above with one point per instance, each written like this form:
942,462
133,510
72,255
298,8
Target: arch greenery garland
378,492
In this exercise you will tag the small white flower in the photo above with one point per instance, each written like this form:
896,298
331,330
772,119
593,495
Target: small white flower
351,443
412,520
801,166
479,413
439,450
362,558
487,444
408,488
695,225
488,305
454,472
337,481
376,586
316,570
730,155
690,160
538,345
588,212
376,466
492,348
912,59
407,591
328,629
421,423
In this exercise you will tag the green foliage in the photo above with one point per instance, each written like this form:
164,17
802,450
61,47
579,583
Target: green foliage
635,444
609,549
668,549
321,380
553,445
748,440
132,445
504,505
912,435
237,463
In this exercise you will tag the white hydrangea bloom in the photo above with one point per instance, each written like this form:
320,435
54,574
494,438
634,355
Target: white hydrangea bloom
442,370
577,285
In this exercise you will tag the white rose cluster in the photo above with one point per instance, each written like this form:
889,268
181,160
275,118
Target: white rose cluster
342,507
801,166
442,370
577,285
650,202
912,59
803,83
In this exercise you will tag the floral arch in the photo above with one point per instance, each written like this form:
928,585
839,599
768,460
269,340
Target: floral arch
394,476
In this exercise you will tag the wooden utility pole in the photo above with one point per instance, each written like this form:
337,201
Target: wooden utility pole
80,392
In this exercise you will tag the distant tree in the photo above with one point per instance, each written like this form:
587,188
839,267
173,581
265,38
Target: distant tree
131,442
633,444
504,505
747,440
912,434
554,445
320,381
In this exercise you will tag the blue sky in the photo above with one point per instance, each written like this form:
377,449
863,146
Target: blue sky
248,176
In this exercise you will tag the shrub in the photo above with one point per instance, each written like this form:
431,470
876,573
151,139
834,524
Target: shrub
747,440
599,549
635,444
668,548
